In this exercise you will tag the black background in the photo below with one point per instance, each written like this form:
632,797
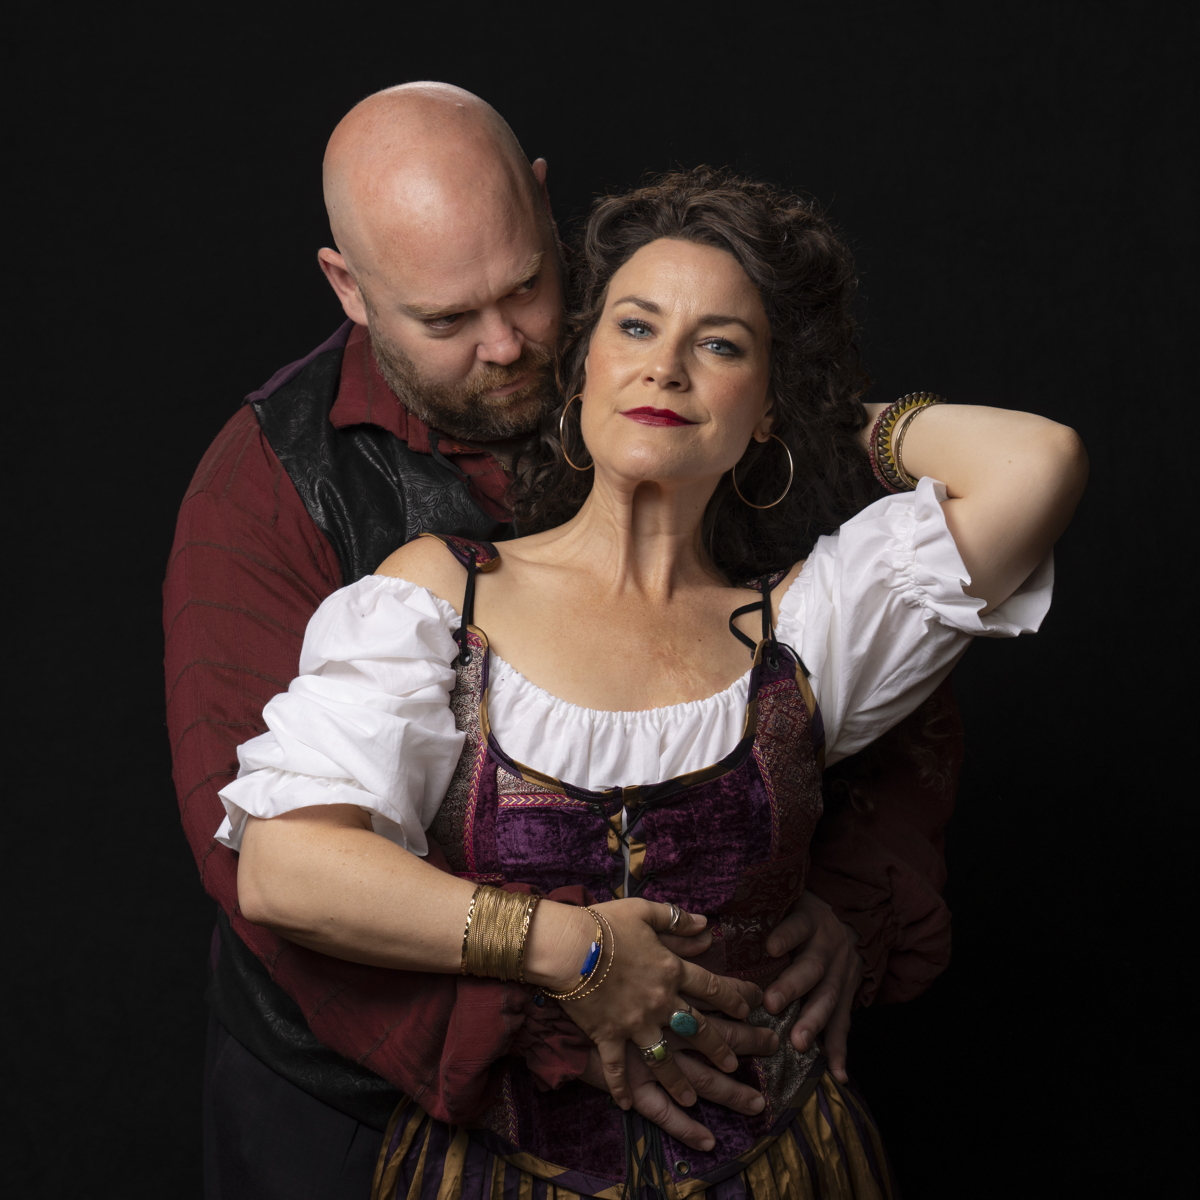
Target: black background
1014,181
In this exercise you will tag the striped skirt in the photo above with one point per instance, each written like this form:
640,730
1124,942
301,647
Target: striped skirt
831,1151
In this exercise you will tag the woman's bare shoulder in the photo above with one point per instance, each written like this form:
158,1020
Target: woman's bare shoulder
781,588
426,562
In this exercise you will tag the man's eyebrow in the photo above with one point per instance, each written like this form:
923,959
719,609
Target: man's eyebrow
430,312
709,319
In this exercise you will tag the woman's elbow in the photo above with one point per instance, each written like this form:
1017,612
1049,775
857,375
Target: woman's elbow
1066,463
255,898
263,879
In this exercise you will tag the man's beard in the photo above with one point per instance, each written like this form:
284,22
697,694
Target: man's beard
464,410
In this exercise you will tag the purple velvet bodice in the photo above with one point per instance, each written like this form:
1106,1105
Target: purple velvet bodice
730,841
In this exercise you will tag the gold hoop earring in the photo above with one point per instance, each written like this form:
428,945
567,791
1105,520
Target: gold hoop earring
791,476
562,437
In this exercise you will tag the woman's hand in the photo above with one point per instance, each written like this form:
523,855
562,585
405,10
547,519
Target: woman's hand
645,984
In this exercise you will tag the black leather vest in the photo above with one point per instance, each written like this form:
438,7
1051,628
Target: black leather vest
368,493
365,490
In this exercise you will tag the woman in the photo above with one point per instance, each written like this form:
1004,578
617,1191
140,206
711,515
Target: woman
616,738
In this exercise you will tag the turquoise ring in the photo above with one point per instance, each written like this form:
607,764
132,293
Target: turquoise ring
684,1023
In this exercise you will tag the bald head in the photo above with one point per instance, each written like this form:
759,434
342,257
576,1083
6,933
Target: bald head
416,165
448,254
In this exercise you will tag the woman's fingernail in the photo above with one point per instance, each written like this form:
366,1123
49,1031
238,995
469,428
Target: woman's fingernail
743,1009
730,1063
625,1105
774,998
689,1098
757,1104
803,1040
707,1144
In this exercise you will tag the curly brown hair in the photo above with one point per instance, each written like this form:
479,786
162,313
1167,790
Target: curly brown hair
806,279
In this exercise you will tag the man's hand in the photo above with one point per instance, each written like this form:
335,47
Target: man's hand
827,970
653,1103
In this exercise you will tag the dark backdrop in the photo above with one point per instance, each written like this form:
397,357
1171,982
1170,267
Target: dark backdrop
1012,179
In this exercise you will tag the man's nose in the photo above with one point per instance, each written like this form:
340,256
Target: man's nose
500,341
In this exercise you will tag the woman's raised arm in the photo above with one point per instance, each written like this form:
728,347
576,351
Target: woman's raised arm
1013,480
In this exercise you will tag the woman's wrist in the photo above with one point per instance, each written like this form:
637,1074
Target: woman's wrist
557,947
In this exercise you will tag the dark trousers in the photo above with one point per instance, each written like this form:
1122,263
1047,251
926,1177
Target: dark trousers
265,1139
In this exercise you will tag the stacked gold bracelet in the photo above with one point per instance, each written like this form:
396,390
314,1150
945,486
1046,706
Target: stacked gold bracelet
885,457
496,932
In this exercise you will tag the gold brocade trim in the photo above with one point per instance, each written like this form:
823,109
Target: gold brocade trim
483,568
848,1161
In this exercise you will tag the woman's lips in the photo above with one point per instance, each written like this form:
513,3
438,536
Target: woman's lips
656,416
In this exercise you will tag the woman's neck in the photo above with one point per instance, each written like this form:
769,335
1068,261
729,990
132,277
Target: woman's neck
640,537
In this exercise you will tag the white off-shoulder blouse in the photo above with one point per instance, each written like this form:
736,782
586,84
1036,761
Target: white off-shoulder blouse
877,614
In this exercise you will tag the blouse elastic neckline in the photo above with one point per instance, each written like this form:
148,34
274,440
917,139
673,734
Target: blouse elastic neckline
683,708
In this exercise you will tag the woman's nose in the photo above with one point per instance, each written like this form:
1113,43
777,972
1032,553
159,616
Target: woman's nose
666,370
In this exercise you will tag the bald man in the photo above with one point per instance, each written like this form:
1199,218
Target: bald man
449,271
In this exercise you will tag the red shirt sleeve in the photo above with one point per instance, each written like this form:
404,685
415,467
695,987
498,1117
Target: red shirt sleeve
878,856
247,570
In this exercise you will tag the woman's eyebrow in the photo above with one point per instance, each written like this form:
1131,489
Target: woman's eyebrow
709,319
718,319
712,318
647,305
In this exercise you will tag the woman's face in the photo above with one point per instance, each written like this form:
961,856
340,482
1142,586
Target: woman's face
678,366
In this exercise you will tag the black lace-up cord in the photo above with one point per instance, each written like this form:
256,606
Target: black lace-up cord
468,613
649,1167
442,460
760,606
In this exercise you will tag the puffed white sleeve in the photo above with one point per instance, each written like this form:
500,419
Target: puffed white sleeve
367,721
879,616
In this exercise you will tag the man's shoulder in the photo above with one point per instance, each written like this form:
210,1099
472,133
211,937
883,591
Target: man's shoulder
239,456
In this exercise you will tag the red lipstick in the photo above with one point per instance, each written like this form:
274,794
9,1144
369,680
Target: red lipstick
656,416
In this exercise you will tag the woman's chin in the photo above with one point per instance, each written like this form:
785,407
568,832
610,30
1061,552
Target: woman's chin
672,472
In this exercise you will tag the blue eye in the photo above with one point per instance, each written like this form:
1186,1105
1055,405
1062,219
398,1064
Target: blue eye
721,346
635,328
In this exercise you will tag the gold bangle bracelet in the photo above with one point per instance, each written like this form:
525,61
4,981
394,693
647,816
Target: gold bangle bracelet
497,928
586,986
898,453
467,927
883,455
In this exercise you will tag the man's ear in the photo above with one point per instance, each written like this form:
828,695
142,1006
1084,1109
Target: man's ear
541,168
333,265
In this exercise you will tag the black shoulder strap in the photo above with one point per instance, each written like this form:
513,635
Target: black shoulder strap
475,557
763,605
